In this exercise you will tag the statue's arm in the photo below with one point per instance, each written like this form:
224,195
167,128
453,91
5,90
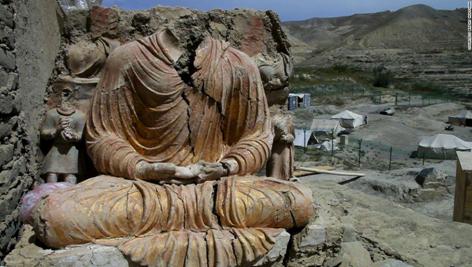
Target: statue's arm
48,129
115,156
250,154
78,129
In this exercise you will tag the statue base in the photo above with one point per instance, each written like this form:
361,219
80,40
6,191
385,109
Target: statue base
29,253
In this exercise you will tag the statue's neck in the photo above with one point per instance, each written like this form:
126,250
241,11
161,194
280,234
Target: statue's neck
66,109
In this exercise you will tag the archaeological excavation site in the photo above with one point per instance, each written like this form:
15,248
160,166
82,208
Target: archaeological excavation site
185,133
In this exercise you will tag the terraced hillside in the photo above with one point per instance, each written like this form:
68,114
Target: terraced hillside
417,43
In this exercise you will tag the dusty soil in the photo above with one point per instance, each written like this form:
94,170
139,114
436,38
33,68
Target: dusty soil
401,132
389,230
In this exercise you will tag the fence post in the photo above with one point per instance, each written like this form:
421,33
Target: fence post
332,143
360,149
390,161
304,140
409,99
423,157
396,99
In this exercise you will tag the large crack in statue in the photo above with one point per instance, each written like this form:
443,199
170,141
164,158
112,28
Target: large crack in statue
177,159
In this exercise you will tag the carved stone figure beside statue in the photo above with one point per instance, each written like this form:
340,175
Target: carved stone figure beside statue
177,157
64,126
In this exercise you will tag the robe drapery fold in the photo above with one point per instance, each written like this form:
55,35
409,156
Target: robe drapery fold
144,111
175,225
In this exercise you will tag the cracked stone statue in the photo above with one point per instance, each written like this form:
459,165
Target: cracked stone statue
63,125
177,156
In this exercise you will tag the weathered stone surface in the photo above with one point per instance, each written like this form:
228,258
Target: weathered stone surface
319,243
391,263
3,77
312,236
28,253
7,59
8,179
7,36
385,229
6,15
7,104
430,176
38,41
277,253
31,26
11,199
104,22
6,127
8,227
353,254
6,153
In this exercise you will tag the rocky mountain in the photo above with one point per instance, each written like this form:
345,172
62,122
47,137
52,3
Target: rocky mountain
416,43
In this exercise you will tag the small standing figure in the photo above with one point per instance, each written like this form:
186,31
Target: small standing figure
281,161
64,125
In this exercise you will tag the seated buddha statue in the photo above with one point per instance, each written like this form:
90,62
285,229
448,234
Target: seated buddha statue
177,156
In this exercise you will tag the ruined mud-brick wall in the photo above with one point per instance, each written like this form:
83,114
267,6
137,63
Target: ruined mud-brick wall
257,33
29,42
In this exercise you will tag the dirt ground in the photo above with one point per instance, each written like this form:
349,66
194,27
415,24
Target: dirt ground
401,132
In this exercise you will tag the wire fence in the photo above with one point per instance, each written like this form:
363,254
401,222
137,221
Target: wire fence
359,153
406,99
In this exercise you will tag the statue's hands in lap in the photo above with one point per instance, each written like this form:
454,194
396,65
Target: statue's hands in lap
171,173
211,171
201,172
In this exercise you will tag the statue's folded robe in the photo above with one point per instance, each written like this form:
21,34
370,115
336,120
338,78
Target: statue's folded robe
231,222
142,109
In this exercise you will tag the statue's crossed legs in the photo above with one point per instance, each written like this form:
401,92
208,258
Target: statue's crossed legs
230,222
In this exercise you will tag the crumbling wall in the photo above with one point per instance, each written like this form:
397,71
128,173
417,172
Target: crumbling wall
29,42
257,33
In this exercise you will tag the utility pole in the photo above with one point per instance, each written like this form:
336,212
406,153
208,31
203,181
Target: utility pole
360,151
304,140
469,25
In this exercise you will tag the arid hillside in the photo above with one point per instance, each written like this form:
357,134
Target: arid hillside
415,43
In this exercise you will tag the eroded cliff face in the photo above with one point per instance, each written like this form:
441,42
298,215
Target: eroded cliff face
29,42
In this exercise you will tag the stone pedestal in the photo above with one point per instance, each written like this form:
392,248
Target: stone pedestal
27,253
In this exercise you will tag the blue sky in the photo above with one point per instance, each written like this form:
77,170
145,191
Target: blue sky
293,9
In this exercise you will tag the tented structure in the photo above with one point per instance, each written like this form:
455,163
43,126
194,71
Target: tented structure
464,118
442,146
349,119
328,146
324,129
303,138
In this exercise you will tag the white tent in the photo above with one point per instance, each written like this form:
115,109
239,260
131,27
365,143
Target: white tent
302,137
463,118
442,146
328,146
349,119
325,129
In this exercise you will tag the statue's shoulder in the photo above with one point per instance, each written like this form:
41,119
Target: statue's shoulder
79,115
52,113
